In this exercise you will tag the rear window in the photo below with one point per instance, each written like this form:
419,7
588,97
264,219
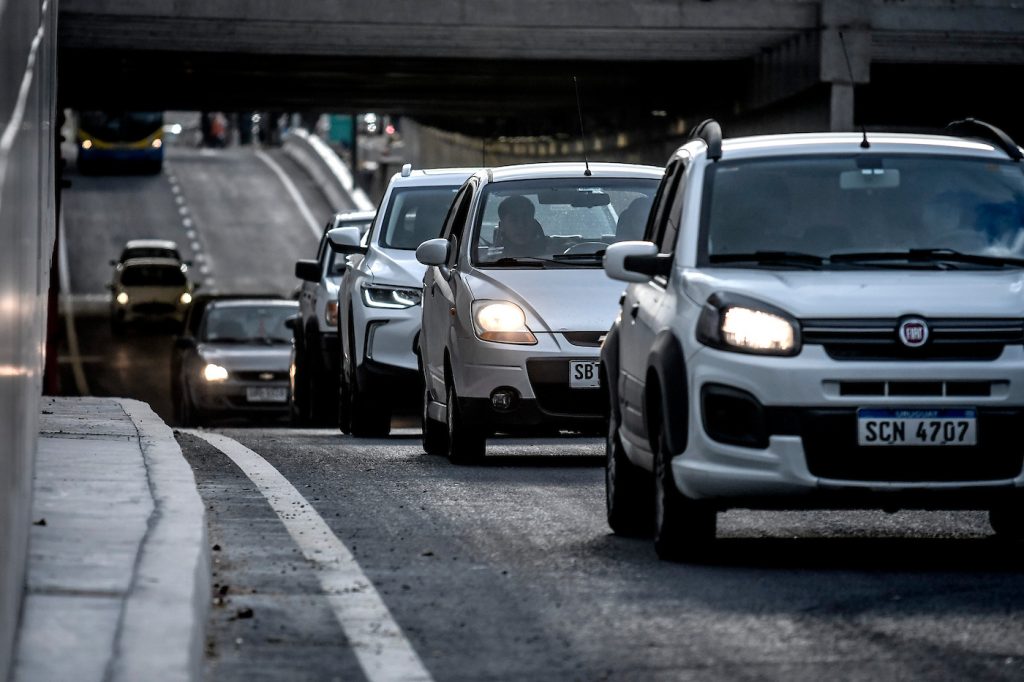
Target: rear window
153,276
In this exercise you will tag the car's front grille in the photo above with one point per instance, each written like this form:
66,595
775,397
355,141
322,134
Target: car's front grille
550,381
948,339
262,376
830,444
153,308
953,389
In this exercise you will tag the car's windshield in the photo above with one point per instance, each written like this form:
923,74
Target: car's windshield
857,208
559,222
247,324
415,214
153,276
149,252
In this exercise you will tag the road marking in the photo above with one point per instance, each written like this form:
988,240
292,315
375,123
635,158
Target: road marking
183,210
292,191
64,275
187,222
376,639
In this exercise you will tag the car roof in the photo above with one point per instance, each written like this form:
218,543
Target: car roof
253,301
151,244
354,216
152,260
850,142
428,177
572,169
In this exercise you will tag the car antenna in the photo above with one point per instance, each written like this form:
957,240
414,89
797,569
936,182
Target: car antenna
864,144
583,137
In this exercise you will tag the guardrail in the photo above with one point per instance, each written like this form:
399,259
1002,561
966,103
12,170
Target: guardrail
326,169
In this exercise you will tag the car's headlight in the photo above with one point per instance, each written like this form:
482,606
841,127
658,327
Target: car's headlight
122,298
501,322
745,325
331,314
185,298
214,372
379,296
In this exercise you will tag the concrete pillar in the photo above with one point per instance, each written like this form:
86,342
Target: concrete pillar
845,56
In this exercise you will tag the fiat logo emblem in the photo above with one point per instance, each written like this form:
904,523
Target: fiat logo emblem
913,332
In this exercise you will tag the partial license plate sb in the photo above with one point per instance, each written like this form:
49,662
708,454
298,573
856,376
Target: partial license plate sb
584,374
924,427
266,394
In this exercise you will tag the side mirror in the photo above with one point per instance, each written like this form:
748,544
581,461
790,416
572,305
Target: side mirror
345,240
308,270
635,262
292,321
113,262
433,252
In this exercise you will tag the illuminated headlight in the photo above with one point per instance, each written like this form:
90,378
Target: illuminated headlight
501,322
214,373
747,326
391,297
185,298
87,144
157,143
331,314
122,298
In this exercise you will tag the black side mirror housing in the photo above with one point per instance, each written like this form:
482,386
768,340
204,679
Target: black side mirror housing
292,321
308,270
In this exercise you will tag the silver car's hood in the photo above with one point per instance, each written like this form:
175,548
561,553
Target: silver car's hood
394,266
869,293
569,299
247,357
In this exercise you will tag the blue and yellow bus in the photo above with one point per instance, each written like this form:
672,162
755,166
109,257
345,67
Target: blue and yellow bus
120,139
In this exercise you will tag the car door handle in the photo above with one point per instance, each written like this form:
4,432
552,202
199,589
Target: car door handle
634,310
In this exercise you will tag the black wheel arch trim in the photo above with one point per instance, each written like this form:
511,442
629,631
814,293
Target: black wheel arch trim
609,373
667,363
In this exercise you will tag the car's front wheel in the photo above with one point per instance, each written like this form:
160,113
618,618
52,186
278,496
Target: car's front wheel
370,415
298,401
467,443
435,434
628,489
684,529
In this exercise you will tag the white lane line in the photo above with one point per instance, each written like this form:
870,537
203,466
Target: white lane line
292,191
187,222
376,639
64,275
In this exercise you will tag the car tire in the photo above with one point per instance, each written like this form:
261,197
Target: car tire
371,417
344,407
684,529
320,389
117,325
435,434
466,443
188,415
1007,521
629,495
298,402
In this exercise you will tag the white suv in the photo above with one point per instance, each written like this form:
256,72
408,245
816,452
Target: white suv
515,303
820,321
379,298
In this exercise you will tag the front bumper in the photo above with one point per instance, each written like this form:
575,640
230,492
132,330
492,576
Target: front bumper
802,411
233,395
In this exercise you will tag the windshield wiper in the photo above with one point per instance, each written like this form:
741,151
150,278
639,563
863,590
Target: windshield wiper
926,256
509,260
596,256
770,258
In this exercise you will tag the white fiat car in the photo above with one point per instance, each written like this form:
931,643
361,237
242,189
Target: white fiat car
821,321
515,304
379,298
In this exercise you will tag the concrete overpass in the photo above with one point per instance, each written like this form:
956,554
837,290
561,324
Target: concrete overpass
493,66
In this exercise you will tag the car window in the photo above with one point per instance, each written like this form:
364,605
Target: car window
247,323
655,229
414,215
153,276
864,203
456,222
149,252
564,222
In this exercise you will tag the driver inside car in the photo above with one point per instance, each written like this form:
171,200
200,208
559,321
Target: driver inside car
520,233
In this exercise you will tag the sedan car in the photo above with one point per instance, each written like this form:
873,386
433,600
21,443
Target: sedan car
236,364
149,290
516,305
148,248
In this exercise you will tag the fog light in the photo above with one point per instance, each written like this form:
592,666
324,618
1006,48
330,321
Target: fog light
504,398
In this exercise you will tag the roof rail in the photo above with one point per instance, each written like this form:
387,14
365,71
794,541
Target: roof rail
972,127
709,131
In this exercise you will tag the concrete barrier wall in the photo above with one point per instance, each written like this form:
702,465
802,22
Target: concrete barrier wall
27,117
